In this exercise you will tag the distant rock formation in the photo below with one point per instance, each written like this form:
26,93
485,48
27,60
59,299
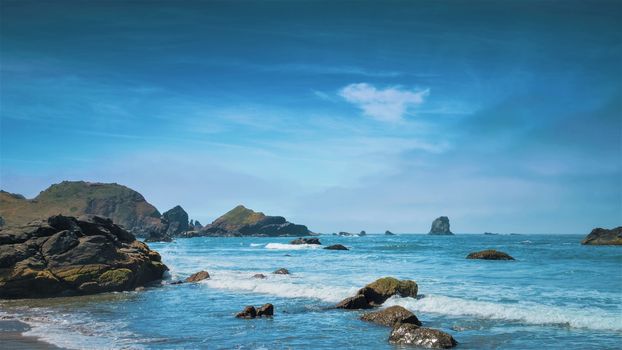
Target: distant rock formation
177,221
440,226
389,233
241,221
123,205
67,256
490,254
362,233
306,241
601,236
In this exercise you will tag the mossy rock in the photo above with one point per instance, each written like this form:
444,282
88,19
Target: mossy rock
384,288
116,278
77,275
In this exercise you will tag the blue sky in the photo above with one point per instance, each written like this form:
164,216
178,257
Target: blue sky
505,116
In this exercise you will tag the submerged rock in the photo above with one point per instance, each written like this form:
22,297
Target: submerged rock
601,236
440,226
391,316
490,254
378,292
267,310
199,276
306,241
260,276
248,312
336,247
281,271
411,334
67,256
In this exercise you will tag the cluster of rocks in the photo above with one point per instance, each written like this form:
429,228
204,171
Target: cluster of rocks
267,310
65,255
406,327
317,241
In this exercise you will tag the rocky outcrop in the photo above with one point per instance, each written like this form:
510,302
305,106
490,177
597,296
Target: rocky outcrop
391,316
336,247
267,310
260,276
281,271
67,256
377,292
199,276
362,233
411,334
241,221
440,226
344,234
306,241
490,254
123,205
389,233
601,236
177,221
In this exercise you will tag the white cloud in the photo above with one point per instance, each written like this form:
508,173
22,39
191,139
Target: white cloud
388,105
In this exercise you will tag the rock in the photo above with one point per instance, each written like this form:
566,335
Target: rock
362,233
68,256
177,282
265,310
199,276
123,205
377,292
166,239
489,254
260,276
389,233
248,312
306,241
240,222
391,316
281,272
177,220
601,236
411,334
336,247
345,234
440,226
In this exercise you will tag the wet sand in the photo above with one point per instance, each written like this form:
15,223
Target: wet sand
11,337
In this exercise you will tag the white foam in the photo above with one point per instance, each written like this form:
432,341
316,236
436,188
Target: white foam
531,313
256,244
282,246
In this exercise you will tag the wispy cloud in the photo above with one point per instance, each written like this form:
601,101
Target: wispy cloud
387,105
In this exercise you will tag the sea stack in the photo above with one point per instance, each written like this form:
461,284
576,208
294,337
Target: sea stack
440,226
602,236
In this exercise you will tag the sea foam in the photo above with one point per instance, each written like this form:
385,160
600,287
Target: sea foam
282,246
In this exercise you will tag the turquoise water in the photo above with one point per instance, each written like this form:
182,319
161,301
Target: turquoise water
558,294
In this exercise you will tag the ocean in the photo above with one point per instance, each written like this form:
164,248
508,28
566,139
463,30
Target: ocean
558,294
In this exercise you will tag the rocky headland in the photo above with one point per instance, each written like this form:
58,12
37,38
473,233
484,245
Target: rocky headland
602,236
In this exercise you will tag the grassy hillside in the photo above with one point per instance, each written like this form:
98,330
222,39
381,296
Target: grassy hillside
237,217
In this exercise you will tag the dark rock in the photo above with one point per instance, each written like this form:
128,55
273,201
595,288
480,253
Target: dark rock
490,254
440,226
411,334
391,316
306,241
281,271
601,236
345,234
378,292
260,276
491,234
177,220
69,256
265,310
177,282
199,276
389,233
248,312
362,233
336,247
154,239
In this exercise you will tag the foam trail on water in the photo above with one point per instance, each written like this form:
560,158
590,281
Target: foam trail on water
531,313
282,246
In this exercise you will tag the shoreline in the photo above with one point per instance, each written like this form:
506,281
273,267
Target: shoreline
12,337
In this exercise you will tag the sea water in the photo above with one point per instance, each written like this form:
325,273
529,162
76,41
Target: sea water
558,294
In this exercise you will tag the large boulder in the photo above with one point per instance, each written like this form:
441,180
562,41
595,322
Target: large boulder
391,316
490,254
281,271
602,236
241,221
177,220
67,256
267,310
199,276
411,334
377,292
306,241
440,226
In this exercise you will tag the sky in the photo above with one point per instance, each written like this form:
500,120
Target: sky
505,116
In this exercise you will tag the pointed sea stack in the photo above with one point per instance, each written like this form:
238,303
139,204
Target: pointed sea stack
440,226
